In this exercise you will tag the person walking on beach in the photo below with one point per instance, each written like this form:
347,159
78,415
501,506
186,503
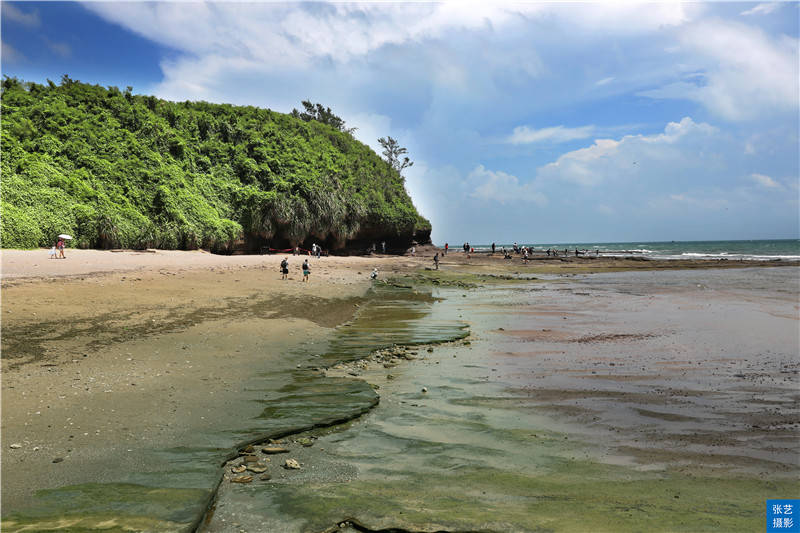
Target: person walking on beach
436,261
60,247
413,251
493,248
383,247
285,268
306,270
53,252
446,246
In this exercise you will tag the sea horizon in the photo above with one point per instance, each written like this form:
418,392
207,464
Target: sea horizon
744,249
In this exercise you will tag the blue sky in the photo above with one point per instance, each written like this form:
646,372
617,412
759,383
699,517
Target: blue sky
527,121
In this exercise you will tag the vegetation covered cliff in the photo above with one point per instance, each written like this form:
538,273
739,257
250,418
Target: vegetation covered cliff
115,169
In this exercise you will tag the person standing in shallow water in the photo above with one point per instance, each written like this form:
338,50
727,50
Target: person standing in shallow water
306,270
285,268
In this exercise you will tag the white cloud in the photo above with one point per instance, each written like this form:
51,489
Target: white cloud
628,17
609,159
765,181
297,33
762,9
709,201
744,73
14,14
604,209
605,81
526,135
497,186
62,50
11,54
264,37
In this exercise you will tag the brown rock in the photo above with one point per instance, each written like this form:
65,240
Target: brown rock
242,479
272,450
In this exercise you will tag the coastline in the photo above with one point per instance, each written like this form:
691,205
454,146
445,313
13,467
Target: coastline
67,340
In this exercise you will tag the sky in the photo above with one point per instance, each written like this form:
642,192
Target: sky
527,121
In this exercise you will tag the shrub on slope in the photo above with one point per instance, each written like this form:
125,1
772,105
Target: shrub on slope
121,170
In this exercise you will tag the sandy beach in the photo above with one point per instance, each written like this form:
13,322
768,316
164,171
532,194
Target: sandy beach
107,356
106,352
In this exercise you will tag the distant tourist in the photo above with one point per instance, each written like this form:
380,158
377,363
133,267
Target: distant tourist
319,251
306,270
413,251
53,252
374,274
285,268
383,247
493,248
446,246
60,247
436,261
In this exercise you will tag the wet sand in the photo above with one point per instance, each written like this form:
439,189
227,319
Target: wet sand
108,355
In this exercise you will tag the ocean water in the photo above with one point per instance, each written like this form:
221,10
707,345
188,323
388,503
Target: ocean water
784,249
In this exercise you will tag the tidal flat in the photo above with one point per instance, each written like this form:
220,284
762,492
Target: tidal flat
662,401
618,401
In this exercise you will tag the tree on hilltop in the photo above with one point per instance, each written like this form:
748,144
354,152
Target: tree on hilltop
322,114
392,151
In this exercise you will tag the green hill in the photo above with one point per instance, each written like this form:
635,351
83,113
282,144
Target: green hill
118,170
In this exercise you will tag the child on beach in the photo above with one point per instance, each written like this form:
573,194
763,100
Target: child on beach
285,268
436,261
53,252
374,274
306,270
